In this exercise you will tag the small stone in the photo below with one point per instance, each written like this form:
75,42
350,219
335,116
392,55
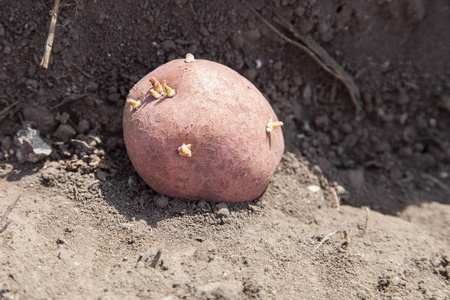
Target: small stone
350,141
49,174
335,136
322,121
445,102
31,70
251,74
222,210
32,84
322,139
92,86
346,128
203,205
30,146
323,27
220,290
327,36
168,45
405,152
65,132
403,97
409,133
115,97
415,11
297,81
7,50
419,147
7,143
83,126
300,10
306,26
307,92
204,31
237,41
314,188
395,174
383,147
40,117
101,175
278,66
284,86
101,18
221,205
253,34
223,213
132,182
161,201
63,118
60,241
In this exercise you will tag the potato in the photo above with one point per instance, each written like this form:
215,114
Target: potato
215,138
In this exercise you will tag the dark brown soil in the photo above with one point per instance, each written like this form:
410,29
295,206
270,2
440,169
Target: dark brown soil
359,207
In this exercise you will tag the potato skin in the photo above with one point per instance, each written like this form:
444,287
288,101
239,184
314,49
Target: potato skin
222,115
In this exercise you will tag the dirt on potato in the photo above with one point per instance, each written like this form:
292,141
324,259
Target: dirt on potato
359,207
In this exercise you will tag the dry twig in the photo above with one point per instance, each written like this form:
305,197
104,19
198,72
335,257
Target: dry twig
6,213
436,181
80,70
438,142
334,199
156,259
51,36
367,219
315,51
68,99
326,239
347,239
77,195
6,110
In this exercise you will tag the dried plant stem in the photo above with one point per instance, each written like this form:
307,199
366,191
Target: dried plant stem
6,213
51,36
326,239
315,51
367,220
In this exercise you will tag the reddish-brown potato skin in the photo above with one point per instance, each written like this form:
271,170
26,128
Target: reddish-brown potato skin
222,115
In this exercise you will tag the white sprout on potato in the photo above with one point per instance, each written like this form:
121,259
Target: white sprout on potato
271,125
160,89
189,58
155,94
185,150
156,85
134,103
170,92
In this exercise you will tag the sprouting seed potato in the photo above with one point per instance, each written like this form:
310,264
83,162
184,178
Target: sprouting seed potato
196,129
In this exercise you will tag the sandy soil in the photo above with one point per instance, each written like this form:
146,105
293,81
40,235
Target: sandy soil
359,207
